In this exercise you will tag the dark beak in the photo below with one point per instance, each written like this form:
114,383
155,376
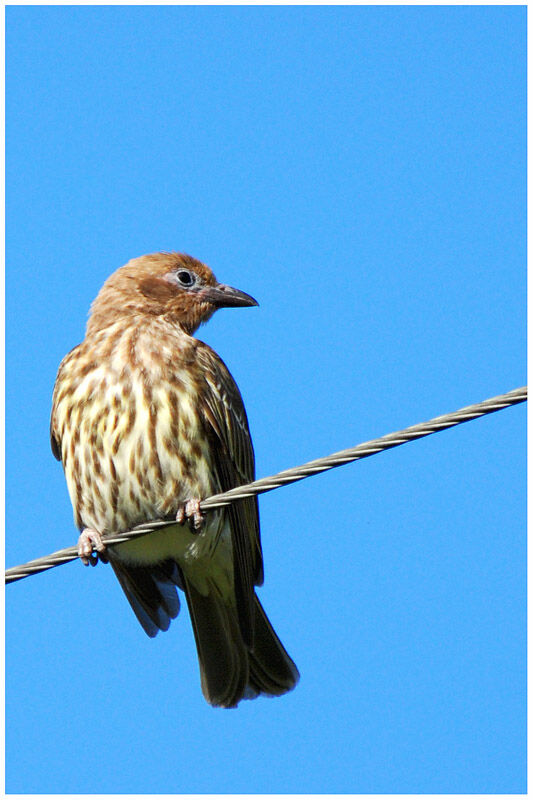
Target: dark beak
223,296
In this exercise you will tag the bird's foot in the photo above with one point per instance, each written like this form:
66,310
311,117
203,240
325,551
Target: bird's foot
90,541
190,512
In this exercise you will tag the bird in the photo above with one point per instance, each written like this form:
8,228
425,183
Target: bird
147,421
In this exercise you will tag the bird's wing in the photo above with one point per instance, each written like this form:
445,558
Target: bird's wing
55,441
59,391
234,465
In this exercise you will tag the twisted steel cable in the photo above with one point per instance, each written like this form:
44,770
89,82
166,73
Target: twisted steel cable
290,476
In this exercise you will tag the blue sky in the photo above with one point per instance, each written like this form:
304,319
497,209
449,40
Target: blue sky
361,171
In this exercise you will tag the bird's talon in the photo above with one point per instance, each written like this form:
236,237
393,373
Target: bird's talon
190,512
88,542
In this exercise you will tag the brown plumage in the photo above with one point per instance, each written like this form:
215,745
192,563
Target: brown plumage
147,420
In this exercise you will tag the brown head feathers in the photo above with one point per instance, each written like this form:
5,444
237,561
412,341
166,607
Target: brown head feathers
156,284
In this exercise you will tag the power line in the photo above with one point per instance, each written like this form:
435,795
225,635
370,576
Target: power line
290,476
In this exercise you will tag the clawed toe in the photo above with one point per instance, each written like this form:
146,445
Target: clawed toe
190,512
88,542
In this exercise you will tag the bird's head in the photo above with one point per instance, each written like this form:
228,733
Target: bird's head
173,285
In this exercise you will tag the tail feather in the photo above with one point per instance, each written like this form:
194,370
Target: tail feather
272,670
230,670
221,650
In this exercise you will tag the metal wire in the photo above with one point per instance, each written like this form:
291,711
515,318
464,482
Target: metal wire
290,476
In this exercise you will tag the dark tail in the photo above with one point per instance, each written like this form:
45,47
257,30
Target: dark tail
229,670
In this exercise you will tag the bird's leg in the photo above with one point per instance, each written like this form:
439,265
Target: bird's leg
89,541
190,512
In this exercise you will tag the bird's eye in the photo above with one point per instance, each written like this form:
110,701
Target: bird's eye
185,277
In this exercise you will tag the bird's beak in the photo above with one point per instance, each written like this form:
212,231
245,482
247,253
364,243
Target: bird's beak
223,296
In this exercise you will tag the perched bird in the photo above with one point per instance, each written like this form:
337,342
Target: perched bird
147,421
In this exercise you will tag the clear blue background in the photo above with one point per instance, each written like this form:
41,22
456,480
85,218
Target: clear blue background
361,171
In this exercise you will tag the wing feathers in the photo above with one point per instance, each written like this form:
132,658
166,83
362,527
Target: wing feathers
151,593
234,465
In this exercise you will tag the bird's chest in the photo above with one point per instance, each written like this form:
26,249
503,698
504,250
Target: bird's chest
134,446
